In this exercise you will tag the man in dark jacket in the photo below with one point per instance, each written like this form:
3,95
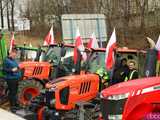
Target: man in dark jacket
120,72
12,76
124,69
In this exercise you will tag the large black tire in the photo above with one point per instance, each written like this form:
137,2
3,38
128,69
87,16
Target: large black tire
27,90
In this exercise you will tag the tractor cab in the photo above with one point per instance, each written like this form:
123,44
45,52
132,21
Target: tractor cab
50,60
138,56
26,53
61,59
96,58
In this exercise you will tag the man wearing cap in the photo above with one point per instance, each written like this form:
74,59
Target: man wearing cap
12,76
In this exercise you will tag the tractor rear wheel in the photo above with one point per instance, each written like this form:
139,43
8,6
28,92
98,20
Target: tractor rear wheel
27,90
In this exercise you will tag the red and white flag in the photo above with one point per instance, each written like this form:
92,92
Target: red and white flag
93,42
12,42
79,45
158,48
49,39
109,59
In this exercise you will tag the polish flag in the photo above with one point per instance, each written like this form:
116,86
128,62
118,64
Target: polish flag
158,47
79,45
93,42
49,39
12,42
109,59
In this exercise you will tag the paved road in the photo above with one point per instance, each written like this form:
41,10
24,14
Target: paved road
5,106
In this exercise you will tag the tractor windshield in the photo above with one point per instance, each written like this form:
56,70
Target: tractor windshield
53,55
67,60
96,60
26,53
61,58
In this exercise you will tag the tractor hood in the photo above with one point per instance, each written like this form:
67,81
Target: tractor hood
72,79
39,70
129,86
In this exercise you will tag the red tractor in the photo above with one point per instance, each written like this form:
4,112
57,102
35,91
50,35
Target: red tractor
136,99
133,100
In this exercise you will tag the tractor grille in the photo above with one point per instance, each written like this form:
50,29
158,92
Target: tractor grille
85,87
112,107
37,70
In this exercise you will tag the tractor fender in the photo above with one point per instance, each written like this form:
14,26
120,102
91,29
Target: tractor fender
43,82
29,88
140,105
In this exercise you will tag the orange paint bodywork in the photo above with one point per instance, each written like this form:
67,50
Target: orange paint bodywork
39,70
82,88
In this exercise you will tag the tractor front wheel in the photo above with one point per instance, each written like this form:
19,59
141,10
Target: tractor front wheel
92,113
27,90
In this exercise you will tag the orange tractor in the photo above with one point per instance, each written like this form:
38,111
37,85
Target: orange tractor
75,96
36,74
66,97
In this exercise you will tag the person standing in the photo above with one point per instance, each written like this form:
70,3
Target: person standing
124,69
12,76
121,71
133,73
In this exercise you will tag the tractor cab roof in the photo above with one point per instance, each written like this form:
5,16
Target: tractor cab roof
121,49
26,47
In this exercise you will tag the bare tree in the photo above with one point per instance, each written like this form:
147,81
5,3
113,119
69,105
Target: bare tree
8,14
124,7
142,5
104,7
1,8
12,3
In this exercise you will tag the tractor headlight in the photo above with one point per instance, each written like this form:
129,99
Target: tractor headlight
118,97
